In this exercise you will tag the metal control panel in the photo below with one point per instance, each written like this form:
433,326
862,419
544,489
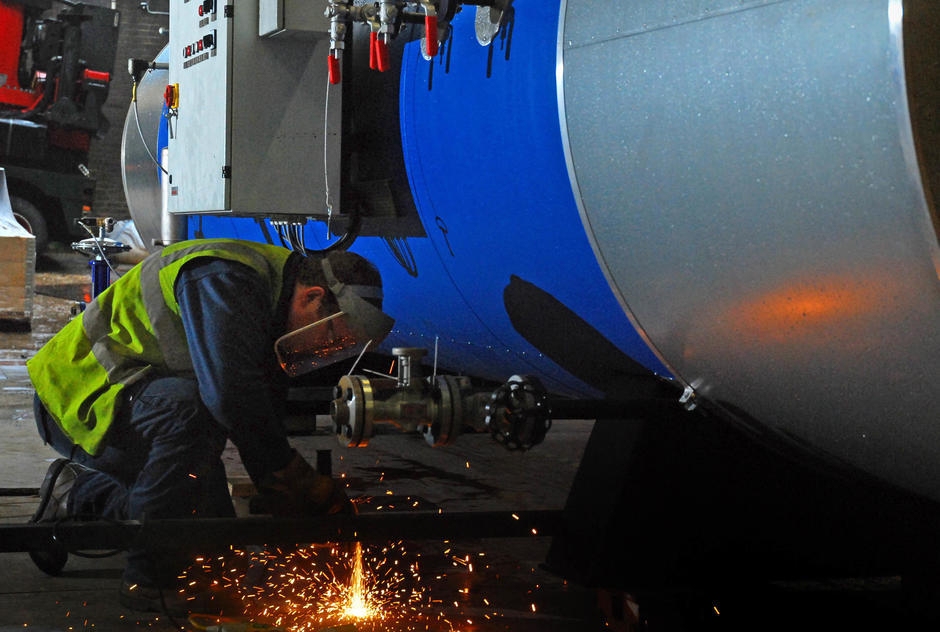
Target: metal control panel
256,127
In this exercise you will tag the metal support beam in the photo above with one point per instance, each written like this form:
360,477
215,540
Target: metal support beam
210,533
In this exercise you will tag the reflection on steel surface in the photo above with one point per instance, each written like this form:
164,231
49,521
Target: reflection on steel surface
748,176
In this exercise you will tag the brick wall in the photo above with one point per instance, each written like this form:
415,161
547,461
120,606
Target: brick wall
138,37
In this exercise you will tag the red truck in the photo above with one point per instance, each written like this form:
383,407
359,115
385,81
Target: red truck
55,71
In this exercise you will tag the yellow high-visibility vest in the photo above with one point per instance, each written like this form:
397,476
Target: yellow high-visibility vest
132,330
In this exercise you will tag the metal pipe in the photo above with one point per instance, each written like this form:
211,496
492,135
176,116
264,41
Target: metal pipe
612,408
210,533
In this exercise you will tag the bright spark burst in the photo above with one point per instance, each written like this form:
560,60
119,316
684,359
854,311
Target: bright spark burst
310,588
359,606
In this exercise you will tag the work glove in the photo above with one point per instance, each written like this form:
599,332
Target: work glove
298,490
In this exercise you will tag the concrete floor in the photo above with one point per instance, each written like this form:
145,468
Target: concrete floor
506,589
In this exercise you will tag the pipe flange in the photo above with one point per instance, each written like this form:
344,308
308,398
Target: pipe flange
353,412
445,429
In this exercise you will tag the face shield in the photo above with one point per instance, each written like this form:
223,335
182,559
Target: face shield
347,333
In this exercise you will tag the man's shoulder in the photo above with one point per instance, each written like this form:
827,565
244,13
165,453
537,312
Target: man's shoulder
217,269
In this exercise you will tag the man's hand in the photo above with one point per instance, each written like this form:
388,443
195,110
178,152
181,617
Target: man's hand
299,490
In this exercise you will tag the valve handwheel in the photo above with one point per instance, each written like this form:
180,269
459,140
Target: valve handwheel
518,415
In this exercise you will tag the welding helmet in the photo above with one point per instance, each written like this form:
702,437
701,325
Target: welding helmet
357,325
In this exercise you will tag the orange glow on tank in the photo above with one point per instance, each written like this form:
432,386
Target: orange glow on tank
808,307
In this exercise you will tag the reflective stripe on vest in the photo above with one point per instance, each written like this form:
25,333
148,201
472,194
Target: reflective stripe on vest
129,330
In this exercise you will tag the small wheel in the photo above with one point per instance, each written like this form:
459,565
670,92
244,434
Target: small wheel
32,220
51,561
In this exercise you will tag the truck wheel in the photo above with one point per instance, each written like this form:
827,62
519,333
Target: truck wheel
32,220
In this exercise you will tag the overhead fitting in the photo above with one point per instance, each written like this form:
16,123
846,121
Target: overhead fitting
386,17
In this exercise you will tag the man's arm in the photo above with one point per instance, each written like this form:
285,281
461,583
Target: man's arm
226,313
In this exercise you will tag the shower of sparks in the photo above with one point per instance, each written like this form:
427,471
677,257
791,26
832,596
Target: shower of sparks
358,605
310,588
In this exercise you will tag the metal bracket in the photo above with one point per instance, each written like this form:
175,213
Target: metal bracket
687,399
489,19
145,6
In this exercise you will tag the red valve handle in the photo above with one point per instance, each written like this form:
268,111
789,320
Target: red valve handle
430,34
333,65
381,50
373,50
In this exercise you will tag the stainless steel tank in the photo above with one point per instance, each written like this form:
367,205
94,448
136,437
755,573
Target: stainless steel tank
140,149
755,179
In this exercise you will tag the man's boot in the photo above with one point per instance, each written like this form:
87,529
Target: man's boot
53,505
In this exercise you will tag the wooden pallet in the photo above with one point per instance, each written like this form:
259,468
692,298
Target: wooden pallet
17,277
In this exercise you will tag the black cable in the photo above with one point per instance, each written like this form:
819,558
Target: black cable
166,612
106,554
292,238
302,238
141,133
96,556
280,235
344,242
398,246
101,251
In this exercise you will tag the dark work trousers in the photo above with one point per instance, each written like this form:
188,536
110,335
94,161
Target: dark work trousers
161,458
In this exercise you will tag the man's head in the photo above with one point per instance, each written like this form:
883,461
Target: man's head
334,312
312,299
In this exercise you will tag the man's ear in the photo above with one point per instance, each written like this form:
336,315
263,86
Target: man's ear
311,294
